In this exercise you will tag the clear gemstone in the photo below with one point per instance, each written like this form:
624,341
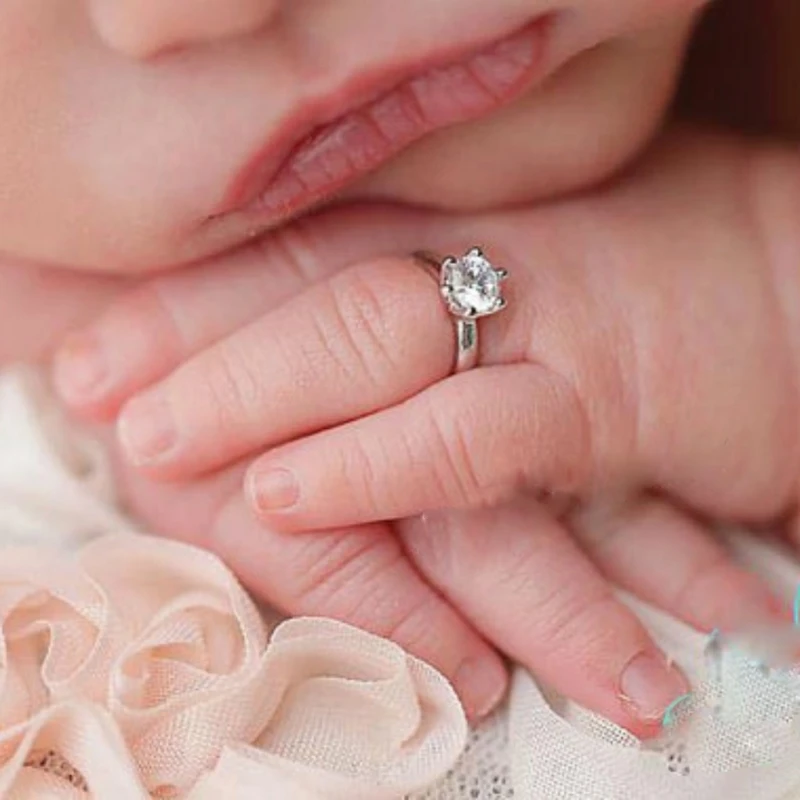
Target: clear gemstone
471,285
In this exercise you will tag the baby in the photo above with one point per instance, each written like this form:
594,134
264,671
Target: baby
640,385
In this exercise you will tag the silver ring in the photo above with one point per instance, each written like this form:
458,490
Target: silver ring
470,287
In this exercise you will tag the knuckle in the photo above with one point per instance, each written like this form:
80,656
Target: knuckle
342,574
454,466
574,621
413,621
362,327
562,426
321,566
561,615
233,388
366,580
360,465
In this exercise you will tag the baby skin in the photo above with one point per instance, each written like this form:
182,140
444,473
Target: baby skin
640,386
290,402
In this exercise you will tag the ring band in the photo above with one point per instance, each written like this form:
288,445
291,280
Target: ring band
466,344
470,288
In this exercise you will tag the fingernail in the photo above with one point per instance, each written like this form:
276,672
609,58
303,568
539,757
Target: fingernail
80,369
146,430
273,489
650,685
481,684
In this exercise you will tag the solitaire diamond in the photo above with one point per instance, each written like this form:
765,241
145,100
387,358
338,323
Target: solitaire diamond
471,285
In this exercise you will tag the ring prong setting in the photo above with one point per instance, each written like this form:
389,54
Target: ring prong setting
470,285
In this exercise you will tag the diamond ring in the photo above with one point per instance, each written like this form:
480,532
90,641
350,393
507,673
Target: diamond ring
470,286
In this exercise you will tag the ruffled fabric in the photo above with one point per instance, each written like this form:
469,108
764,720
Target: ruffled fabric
138,667
145,666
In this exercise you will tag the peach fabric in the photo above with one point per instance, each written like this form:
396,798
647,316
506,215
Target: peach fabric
135,667
145,665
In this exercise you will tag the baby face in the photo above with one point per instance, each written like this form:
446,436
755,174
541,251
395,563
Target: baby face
143,134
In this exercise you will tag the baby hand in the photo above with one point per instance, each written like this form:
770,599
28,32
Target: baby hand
648,344
645,364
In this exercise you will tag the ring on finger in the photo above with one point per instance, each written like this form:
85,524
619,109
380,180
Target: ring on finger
471,288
